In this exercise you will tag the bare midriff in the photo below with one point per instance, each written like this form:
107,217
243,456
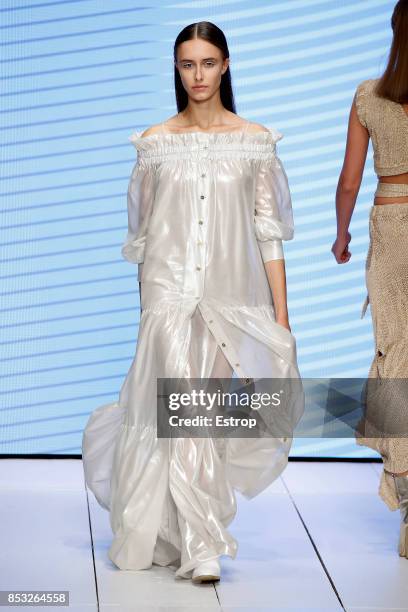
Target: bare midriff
396,178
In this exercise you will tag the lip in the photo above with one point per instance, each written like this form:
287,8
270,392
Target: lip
200,87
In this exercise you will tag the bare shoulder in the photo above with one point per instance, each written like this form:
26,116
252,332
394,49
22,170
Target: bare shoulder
154,129
158,127
257,127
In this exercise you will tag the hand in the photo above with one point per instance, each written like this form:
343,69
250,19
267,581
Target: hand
284,321
340,248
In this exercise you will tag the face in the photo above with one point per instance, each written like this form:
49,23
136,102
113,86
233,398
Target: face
200,64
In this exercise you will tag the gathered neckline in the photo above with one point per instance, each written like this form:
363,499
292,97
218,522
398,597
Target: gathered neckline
200,132
271,135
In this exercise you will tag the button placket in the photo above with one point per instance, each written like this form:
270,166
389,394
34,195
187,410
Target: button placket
200,243
223,343
217,331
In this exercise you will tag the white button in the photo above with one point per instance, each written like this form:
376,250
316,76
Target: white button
200,242
211,321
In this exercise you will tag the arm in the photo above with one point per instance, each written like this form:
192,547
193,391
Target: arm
276,273
140,197
350,178
274,223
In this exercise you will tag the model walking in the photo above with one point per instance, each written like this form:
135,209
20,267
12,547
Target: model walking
380,112
208,208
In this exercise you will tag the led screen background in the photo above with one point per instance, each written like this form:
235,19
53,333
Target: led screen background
77,78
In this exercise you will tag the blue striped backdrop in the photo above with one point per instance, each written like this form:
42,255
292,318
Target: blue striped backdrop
77,78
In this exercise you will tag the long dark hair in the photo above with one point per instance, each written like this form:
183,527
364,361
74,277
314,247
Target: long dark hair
393,84
211,33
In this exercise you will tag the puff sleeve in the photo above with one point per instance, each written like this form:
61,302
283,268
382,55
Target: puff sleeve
140,198
273,206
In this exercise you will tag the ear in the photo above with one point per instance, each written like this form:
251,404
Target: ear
225,65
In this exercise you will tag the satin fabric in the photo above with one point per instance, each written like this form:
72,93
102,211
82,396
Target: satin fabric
205,211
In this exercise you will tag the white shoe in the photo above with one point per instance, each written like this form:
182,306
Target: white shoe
207,571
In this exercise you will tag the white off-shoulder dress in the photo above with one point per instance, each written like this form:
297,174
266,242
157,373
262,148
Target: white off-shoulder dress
205,211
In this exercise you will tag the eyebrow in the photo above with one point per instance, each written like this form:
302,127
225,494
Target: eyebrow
204,60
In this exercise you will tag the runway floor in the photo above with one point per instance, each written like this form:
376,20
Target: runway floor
318,539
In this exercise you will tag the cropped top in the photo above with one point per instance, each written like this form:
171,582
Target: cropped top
387,124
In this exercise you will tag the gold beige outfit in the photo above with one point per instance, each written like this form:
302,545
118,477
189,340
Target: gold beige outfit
387,272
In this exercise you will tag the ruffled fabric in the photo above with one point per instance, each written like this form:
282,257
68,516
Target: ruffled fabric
205,212
273,221
98,446
188,145
174,473
273,217
140,197
171,500
165,140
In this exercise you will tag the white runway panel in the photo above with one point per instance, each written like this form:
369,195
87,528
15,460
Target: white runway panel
354,532
377,467
269,561
318,539
276,567
45,536
142,590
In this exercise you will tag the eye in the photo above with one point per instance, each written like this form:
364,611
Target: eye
189,64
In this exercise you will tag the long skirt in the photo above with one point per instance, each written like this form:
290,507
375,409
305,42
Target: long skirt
387,294
171,500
